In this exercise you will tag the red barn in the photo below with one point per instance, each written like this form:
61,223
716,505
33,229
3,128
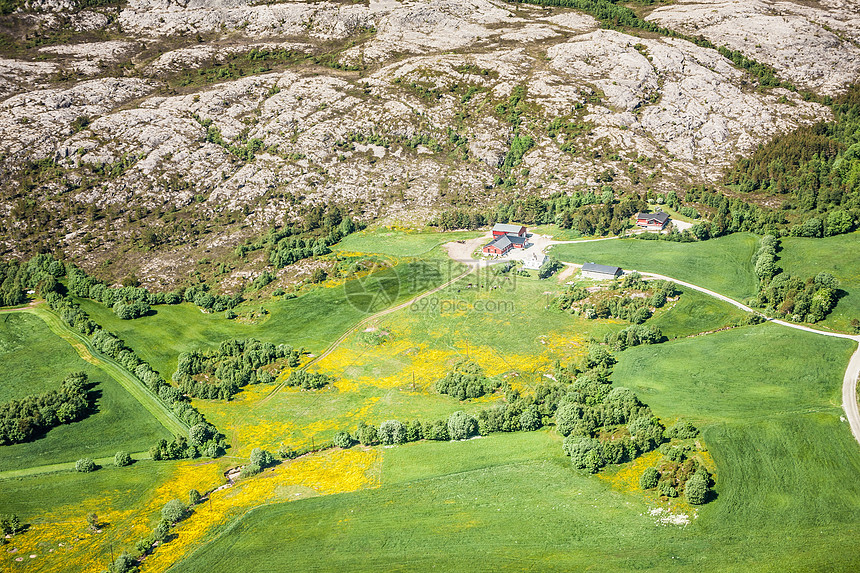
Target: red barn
499,246
502,229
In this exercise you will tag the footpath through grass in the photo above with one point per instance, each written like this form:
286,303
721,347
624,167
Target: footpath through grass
723,265
40,361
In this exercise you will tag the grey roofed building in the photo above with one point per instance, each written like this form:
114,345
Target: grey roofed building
517,241
600,272
505,228
502,242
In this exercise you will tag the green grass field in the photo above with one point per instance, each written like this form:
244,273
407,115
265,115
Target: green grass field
723,265
693,313
840,256
400,243
39,362
312,320
767,400
32,358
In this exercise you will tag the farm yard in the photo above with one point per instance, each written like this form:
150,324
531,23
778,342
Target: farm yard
765,399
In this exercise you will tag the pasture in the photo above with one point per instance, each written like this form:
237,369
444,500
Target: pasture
839,256
767,400
399,242
723,265
312,320
38,362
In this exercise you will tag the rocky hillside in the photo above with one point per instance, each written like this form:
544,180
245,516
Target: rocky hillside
147,135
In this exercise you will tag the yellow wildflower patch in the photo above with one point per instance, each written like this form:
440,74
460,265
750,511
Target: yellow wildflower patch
329,472
626,476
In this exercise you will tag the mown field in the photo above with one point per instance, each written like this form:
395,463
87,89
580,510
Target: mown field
312,320
399,243
36,360
787,497
694,313
723,265
840,256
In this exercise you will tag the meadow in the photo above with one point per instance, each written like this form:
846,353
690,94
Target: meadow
694,313
312,320
398,242
723,265
786,494
36,360
839,256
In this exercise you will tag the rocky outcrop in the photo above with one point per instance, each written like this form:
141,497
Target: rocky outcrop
814,47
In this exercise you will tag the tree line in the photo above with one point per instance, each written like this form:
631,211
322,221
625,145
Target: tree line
26,418
787,296
311,235
588,213
114,347
815,168
218,374
39,274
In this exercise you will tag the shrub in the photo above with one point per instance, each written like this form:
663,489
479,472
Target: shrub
682,430
462,425
262,458
437,431
85,465
342,440
585,453
649,478
173,511
193,497
392,432
530,419
696,490
667,489
467,380
250,470
367,435
121,459
123,564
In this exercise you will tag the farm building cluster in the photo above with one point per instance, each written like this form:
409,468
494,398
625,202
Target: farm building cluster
505,238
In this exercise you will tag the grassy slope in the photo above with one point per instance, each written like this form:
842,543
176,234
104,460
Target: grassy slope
40,362
723,265
32,359
788,497
693,313
312,320
839,256
399,243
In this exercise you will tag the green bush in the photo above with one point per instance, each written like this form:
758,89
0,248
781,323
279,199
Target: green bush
682,430
85,465
392,432
696,490
462,425
121,459
173,511
649,478
193,497
261,458
342,440
667,489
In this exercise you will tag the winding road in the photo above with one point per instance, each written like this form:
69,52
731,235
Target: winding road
852,372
